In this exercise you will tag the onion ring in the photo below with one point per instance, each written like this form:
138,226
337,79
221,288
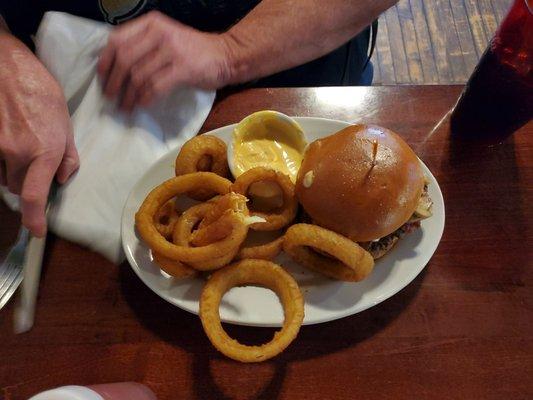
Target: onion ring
174,268
144,219
348,261
267,251
202,153
208,231
213,232
165,218
277,218
217,231
251,272
213,220
187,221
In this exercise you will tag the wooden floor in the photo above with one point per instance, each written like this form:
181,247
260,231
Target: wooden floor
434,41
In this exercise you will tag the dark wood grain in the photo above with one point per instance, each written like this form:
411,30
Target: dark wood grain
424,45
399,58
440,41
462,330
412,51
464,34
383,57
437,31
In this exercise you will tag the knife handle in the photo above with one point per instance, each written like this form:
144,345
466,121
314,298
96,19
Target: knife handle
25,309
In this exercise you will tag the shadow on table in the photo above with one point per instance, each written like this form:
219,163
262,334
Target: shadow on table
484,183
184,330
498,173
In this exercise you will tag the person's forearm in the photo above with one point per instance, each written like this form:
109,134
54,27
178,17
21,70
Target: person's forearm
16,59
11,48
280,34
18,62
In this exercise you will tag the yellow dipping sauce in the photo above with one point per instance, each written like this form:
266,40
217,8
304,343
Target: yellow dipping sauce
268,139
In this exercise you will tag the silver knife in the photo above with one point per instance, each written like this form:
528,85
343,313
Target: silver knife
24,313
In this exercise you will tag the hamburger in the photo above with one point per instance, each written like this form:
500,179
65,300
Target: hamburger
365,183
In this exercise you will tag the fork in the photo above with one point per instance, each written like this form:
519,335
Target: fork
11,269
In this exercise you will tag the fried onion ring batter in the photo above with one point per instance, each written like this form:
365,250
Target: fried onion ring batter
251,272
174,268
267,251
279,217
202,153
215,230
327,252
165,218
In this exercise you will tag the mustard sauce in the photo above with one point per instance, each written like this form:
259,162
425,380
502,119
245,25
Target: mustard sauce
268,139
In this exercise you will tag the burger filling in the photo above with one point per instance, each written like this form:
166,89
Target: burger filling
379,247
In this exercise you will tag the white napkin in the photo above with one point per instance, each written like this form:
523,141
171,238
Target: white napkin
115,149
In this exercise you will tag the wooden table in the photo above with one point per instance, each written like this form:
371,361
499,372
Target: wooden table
462,330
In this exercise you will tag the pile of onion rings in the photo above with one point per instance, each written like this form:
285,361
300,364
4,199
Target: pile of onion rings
227,232
211,237
205,257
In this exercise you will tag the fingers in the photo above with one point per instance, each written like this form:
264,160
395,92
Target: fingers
32,183
141,74
127,45
159,85
34,194
15,171
116,38
70,162
125,59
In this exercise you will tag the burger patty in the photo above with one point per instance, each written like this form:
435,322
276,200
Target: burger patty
378,248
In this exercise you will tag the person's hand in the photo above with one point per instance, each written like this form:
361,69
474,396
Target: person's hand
36,141
149,56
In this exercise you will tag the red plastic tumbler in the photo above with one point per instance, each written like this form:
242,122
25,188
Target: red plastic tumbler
498,98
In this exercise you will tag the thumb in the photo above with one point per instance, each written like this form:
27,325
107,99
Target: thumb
70,162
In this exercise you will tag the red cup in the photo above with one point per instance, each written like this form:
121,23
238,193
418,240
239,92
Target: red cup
498,98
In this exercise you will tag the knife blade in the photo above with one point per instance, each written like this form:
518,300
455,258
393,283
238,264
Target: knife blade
24,313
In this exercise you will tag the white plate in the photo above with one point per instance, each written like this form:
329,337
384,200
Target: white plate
325,299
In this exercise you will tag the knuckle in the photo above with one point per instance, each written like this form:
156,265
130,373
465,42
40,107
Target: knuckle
49,160
31,198
167,37
114,38
73,161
